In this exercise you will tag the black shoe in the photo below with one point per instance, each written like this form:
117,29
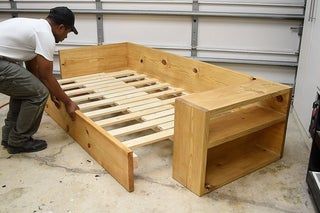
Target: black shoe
4,143
31,145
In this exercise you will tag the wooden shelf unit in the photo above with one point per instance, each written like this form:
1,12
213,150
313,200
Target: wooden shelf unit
224,134
224,124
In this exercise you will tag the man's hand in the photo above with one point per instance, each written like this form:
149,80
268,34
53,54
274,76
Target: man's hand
71,108
55,100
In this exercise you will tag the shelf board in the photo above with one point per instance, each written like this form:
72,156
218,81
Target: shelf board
242,122
231,161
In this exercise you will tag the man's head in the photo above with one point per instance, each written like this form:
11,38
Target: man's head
61,20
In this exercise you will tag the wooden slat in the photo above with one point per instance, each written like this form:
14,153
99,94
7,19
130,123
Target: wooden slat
125,99
112,80
169,125
140,126
111,89
110,110
131,116
142,89
242,122
158,115
82,84
92,76
108,101
90,90
151,105
152,95
149,139
104,84
97,75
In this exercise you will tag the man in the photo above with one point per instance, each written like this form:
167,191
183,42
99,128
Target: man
32,41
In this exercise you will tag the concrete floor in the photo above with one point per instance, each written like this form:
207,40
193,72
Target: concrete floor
64,178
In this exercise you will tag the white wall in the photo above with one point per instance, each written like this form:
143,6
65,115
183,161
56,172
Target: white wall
308,76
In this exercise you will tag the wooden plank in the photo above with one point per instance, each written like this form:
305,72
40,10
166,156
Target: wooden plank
112,80
242,122
152,95
158,115
231,97
112,155
125,99
142,89
104,84
192,75
148,139
110,89
96,76
85,83
165,126
131,116
108,101
73,80
140,126
151,105
92,89
114,109
90,60
191,132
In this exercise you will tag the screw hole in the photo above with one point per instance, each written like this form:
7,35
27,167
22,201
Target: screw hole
164,62
89,145
279,98
195,70
141,60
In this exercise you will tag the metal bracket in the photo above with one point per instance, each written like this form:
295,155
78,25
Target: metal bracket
13,5
100,32
194,30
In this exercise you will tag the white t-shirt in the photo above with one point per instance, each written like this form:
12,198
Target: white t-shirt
22,39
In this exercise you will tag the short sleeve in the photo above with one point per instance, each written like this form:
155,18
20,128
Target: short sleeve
45,44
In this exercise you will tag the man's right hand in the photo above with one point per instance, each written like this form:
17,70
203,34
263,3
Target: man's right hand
71,109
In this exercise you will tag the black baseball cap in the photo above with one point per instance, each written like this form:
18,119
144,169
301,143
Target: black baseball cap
63,15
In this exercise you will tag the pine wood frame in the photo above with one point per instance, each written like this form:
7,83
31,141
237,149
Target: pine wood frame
205,156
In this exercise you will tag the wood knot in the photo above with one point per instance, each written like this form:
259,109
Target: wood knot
195,70
279,98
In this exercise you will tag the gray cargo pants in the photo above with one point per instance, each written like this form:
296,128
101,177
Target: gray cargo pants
27,101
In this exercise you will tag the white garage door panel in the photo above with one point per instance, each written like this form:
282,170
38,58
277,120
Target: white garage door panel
5,4
150,30
271,7
274,73
180,5
243,55
72,4
248,34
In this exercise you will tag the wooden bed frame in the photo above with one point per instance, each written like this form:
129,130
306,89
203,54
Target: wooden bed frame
224,124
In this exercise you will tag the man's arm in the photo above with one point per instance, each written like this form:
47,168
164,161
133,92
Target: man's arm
42,69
